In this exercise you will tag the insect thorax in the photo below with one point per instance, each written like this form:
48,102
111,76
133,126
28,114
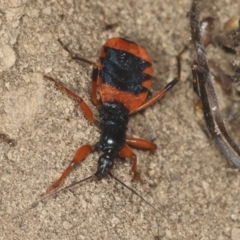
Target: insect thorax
113,124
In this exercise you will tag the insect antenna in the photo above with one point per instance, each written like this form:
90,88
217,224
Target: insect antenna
60,190
48,195
75,183
136,193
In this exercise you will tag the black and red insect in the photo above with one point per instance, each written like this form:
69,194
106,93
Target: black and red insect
122,78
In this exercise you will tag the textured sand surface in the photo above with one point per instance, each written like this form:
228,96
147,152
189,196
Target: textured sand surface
187,179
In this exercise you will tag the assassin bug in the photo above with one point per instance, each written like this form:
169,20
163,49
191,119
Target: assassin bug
122,77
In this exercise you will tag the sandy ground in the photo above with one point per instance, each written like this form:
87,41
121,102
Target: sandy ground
187,179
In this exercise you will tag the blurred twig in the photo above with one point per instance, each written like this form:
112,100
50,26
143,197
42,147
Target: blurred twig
204,88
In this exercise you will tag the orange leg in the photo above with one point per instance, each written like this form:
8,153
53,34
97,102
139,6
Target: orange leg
162,92
80,155
84,107
157,96
127,152
141,143
95,100
94,73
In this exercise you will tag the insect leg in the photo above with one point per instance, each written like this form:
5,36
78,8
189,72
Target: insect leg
74,56
84,107
141,143
163,91
157,96
127,152
80,155
95,100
